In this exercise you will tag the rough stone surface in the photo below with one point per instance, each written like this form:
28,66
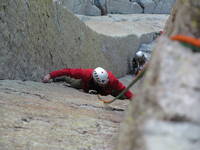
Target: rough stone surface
140,6
142,25
33,42
156,6
84,7
52,116
148,6
102,5
123,7
40,36
187,25
168,105
163,6
145,27
94,7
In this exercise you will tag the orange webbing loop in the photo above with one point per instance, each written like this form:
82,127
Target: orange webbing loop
187,39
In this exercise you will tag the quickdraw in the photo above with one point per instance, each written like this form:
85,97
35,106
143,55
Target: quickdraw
138,76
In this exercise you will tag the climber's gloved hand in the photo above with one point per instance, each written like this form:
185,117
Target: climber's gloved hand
46,78
92,92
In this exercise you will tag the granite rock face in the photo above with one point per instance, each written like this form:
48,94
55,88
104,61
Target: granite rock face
144,26
53,116
40,36
156,6
84,7
168,103
187,25
90,7
123,7
141,6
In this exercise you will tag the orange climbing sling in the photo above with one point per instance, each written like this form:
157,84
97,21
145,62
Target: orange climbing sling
191,42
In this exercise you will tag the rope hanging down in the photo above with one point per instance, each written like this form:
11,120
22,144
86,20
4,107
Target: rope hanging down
139,75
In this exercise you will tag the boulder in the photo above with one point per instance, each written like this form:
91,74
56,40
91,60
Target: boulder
167,105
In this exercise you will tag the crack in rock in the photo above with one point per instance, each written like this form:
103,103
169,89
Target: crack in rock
8,91
96,107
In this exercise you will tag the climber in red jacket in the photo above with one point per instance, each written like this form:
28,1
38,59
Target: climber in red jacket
99,80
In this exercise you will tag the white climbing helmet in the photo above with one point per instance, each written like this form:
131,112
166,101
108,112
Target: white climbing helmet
100,76
139,54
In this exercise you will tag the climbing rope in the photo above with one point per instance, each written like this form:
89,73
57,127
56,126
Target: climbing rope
138,76
187,41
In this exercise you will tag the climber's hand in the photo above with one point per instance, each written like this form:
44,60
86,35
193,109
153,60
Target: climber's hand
46,78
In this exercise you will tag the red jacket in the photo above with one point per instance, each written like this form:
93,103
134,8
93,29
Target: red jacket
113,86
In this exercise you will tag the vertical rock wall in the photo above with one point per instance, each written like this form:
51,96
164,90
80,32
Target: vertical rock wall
40,36
165,113
167,105
94,7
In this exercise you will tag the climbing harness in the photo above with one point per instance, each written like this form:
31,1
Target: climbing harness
138,76
187,41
